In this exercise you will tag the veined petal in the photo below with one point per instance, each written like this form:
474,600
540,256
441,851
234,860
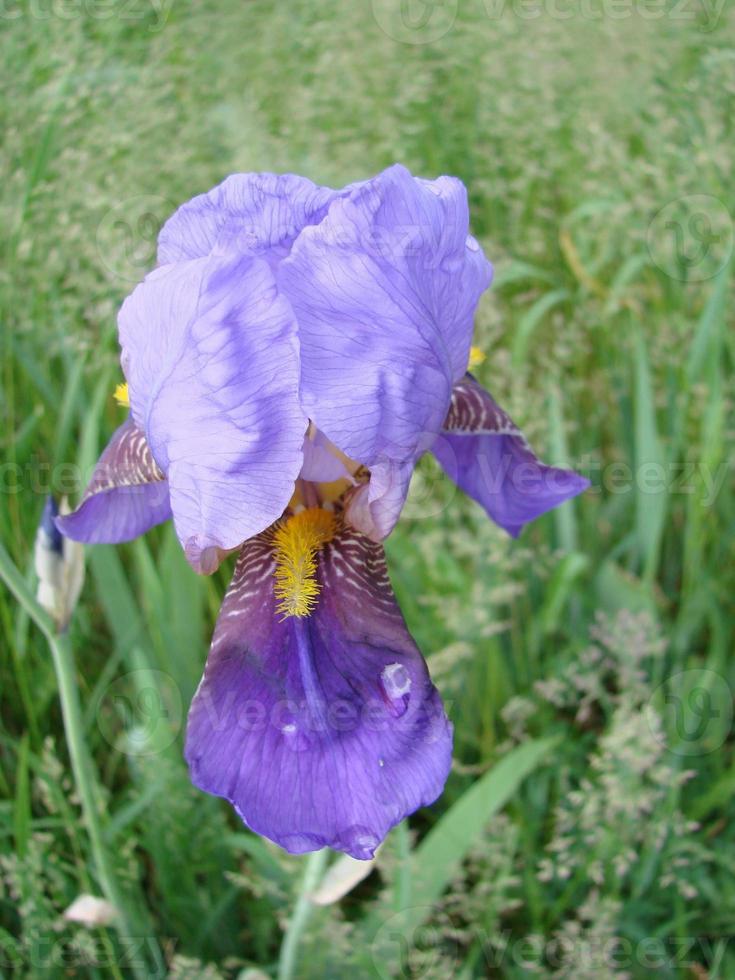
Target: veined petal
487,456
323,462
322,731
126,496
253,213
211,357
384,289
375,507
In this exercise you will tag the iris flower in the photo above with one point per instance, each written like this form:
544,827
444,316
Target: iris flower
294,353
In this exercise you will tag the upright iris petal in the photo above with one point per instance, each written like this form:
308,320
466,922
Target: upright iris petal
211,355
383,278
248,214
384,289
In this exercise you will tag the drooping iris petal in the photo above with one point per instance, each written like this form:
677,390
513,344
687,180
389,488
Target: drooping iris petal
483,451
256,213
211,357
323,731
384,289
126,496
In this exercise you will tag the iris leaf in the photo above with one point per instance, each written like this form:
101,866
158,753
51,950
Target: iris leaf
437,859
650,463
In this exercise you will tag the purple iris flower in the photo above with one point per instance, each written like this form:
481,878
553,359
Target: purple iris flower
294,353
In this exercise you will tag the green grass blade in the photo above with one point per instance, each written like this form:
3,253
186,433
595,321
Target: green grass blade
22,805
650,476
439,855
530,320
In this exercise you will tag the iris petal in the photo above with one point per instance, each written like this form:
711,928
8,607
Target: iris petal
384,289
486,455
254,213
375,507
211,357
324,731
322,461
126,496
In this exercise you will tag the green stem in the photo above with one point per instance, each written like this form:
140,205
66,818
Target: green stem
403,872
81,762
302,910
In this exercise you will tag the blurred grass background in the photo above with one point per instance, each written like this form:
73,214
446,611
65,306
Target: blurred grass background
587,829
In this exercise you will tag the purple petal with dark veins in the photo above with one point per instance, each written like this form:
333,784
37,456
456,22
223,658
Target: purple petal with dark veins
210,353
126,496
384,289
487,456
324,731
255,213
322,463
375,507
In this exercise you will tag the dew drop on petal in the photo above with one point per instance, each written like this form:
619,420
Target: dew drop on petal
395,680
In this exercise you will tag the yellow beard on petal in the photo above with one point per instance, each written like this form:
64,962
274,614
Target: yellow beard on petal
121,395
296,543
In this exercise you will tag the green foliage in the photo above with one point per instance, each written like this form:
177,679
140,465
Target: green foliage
578,663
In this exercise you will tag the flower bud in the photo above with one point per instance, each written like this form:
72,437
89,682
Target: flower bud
59,563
